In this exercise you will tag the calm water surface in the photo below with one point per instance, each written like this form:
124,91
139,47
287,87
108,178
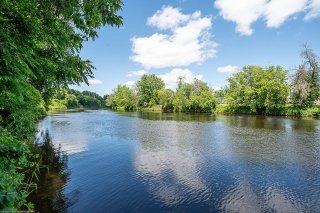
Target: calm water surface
153,162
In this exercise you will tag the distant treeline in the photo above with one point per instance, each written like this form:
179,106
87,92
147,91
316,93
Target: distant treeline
254,89
188,97
70,99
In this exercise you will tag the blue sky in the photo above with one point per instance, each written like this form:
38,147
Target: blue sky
201,39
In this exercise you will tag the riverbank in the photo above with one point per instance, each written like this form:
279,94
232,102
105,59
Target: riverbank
224,109
288,111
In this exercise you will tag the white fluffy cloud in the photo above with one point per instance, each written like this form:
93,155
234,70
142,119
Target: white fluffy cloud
275,12
171,78
242,12
137,73
228,69
167,18
94,81
187,40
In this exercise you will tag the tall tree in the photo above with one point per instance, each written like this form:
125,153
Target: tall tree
123,96
148,87
258,90
300,87
166,99
41,41
312,65
194,97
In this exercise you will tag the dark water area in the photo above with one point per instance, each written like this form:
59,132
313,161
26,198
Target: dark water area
165,162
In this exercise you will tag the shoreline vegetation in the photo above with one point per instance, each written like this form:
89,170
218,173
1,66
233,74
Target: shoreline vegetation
221,109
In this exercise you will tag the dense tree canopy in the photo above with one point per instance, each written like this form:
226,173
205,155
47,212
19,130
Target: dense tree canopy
41,40
258,90
189,97
147,88
70,99
194,97
166,97
306,80
124,97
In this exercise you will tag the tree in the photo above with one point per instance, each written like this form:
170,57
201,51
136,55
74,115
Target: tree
41,40
148,87
204,102
124,97
312,65
258,90
90,99
195,97
109,101
180,102
300,88
166,97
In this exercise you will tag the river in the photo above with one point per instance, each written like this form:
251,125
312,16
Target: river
166,162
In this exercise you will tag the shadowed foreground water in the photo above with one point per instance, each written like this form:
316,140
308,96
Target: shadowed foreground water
153,162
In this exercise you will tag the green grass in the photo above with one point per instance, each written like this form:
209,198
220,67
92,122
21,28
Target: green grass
154,108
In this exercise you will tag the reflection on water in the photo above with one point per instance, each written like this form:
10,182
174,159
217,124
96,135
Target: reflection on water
167,162
49,196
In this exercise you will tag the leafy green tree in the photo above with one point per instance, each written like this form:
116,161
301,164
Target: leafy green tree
258,90
109,101
41,40
124,97
312,65
300,88
166,97
180,101
195,97
148,87
203,102
90,99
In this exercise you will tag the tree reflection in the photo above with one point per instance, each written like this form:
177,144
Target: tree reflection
158,116
49,196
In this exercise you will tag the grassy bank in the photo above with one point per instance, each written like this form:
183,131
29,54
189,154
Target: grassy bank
227,110
286,111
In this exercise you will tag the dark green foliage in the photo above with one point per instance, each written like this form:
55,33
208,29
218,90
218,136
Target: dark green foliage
166,97
20,109
70,99
41,40
13,163
90,99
